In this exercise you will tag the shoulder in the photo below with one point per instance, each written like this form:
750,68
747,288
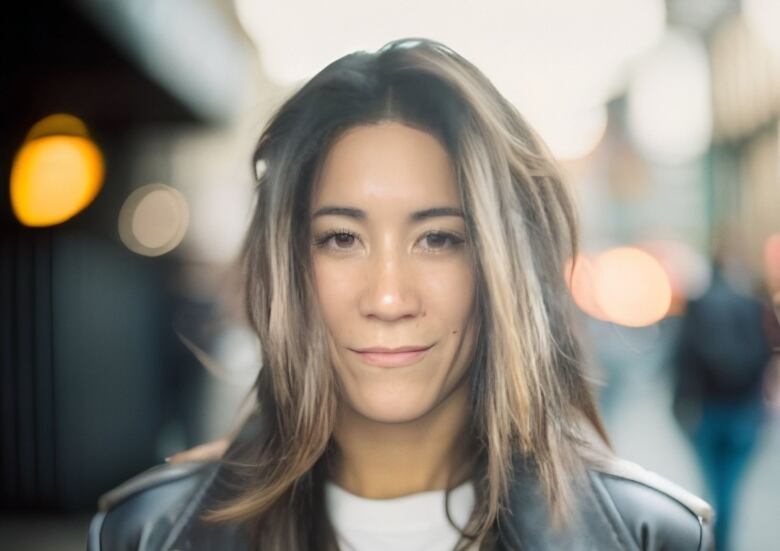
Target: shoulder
143,512
617,506
649,509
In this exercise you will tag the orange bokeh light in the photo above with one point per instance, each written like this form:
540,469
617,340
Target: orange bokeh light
53,178
58,124
772,262
582,284
631,288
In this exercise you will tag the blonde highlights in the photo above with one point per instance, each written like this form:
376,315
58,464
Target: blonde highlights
527,387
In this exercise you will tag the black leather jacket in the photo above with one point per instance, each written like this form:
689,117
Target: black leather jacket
623,507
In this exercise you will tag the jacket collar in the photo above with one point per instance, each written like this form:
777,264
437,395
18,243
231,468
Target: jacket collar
526,524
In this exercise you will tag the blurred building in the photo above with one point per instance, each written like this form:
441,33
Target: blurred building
93,378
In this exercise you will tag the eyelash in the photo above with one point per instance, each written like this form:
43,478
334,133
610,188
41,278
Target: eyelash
321,241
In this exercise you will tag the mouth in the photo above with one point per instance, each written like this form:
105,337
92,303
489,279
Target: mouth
392,357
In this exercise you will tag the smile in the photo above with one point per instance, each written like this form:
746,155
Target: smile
392,358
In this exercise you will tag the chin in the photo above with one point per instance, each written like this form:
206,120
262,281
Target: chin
384,407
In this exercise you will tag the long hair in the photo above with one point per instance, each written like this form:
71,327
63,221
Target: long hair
528,391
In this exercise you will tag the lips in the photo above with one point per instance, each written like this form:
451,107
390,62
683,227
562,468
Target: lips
392,357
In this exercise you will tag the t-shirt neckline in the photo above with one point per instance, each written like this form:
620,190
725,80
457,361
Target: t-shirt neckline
413,512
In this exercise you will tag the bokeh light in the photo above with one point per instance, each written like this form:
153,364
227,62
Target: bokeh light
582,284
772,262
58,124
669,101
573,136
539,72
763,17
631,287
688,270
57,173
153,220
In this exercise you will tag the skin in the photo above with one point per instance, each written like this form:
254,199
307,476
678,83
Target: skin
386,279
394,281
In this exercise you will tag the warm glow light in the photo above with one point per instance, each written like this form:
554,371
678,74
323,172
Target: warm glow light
772,262
631,287
582,284
688,270
54,177
58,124
153,220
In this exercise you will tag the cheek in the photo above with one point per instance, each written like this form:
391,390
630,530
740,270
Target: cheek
335,289
449,291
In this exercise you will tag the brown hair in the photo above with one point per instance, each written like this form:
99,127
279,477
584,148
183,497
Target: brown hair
528,391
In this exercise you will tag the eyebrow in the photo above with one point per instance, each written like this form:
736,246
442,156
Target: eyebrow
413,217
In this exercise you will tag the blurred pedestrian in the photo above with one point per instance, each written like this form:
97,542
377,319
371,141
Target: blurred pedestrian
720,363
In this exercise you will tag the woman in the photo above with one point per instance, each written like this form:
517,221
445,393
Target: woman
422,385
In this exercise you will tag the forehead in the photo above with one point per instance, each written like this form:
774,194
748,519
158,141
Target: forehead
390,165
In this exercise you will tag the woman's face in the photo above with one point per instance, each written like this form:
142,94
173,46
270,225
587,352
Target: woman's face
393,271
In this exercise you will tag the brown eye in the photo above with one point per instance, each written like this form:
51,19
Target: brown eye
343,240
337,240
441,240
436,240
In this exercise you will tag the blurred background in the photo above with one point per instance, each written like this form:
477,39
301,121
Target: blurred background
125,145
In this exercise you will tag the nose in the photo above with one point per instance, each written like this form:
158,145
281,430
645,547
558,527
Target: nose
390,292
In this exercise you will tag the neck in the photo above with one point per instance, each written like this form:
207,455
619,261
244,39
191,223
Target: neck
385,460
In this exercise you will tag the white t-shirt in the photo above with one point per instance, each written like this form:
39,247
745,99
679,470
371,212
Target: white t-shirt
408,523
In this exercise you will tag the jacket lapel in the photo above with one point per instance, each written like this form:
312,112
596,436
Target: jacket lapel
527,525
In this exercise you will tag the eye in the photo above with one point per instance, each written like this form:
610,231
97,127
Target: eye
338,240
439,240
